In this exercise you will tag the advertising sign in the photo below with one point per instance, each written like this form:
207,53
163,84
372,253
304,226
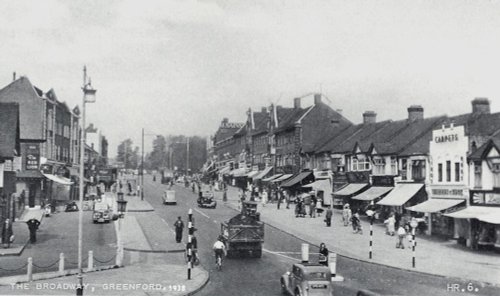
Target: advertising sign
32,157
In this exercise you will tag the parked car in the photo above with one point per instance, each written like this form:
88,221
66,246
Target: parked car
102,213
307,279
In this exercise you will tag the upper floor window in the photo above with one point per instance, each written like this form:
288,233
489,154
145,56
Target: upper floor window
440,172
394,165
457,171
418,170
404,169
378,166
448,171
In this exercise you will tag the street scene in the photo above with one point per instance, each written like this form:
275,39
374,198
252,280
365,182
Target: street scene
250,148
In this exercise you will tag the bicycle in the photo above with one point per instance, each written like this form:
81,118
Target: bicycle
218,259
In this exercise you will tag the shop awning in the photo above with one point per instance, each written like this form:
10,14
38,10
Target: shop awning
272,178
251,174
372,193
350,189
224,170
400,194
323,185
262,173
29,174
485,214
282,178
435,205
58,179
296,180
240,172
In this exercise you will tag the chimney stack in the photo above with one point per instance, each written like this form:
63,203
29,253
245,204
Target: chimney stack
415,112
369,117
296,103
225,120
264,110
317,99
14,76
481,105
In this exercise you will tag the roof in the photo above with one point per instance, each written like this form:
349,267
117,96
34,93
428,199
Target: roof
288,121
9,129
227,130
481,151
261,122
365,131
484,124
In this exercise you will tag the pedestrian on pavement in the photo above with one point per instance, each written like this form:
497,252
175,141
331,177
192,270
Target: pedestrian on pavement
7,233
33,225
401,237
129,188
224,195
328,216
312,206
264,198
306,204
346,214
299,207
390,224
280,197
356,224
287,198
138,190
409,236
179,226
192,187
323,254
23,198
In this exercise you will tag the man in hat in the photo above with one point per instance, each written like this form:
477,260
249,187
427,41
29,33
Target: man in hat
33,227
179,226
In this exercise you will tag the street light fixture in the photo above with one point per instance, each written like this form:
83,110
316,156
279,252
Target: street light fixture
142,162
89,96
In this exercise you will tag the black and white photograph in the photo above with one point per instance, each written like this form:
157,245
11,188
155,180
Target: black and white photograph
261,147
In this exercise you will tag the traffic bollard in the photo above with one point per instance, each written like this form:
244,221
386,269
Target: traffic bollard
61,264
90,266
332,263
305,253
30,269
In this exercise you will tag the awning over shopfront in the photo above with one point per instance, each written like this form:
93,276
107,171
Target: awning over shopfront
323,185
296,179
485,214
224,170
240,172
29,174
282,178
350,189
58,179
262,173
435,205
251,174
372,193
270,179
400,194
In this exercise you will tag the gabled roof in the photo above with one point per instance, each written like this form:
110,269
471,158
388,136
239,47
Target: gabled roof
483,150
9,129
260,120
227,130
364,131
288,121
406,137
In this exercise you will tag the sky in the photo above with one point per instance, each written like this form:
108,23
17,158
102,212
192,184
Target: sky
180,66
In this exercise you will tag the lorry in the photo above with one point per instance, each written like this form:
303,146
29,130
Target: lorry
244,233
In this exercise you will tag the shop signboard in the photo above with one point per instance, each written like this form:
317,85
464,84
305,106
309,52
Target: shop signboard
454,192
32,156
383,181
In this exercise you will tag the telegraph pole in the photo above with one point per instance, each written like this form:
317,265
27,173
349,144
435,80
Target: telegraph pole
142,166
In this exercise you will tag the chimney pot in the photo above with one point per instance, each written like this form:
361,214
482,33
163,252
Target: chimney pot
415,112
14,76
225,120
264,109
296,103
317,99
369,117
481,105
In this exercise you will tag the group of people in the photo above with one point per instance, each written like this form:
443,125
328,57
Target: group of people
306,204
350,218
403,230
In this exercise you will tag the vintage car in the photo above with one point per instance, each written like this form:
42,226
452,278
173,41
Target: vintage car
102,213
307,279
207,200
169,197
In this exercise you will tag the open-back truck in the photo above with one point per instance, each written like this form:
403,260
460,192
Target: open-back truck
244,233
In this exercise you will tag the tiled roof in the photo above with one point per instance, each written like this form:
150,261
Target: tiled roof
484,124
227,130
330,143
9,129
483,149
407,136
288,121
260,120
365,131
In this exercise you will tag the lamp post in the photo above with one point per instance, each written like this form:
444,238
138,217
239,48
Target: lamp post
122,207
142,162
88,97
370,213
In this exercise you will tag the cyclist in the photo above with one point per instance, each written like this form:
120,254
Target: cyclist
219,248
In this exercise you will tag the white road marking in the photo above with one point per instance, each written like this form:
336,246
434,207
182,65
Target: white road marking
279,254
206,216
167,225
215,221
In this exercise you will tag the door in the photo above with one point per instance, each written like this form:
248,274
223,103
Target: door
31,195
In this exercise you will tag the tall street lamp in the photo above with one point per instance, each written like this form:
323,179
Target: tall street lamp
187,154
88,97
142,162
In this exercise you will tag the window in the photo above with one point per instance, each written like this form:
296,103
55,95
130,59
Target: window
418,170
457,172
394,165
378,166
440,172
477,175
404,168
448,171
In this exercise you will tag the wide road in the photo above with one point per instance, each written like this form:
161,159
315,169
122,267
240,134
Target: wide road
261,276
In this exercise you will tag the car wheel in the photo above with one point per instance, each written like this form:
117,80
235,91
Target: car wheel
283,287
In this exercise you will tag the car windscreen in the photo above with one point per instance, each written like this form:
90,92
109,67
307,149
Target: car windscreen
317,276
101,207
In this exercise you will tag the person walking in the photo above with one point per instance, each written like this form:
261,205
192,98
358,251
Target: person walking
33,225
264,198
390,224
129,188
312,206
287,199
328,216
279,192
7,233
356,224
401,237
23,198
323,254
346,214
179,226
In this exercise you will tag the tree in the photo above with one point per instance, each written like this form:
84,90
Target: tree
127,155
177,155
158,157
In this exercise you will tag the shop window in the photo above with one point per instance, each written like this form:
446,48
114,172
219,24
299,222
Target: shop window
440,172
378,166
418,170
477,175
457,172
404,169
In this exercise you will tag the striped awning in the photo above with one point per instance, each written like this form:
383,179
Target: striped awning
372,193
350,189
401,194
435,205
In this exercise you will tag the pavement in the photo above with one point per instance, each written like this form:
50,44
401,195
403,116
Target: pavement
154,262
21,232
433,256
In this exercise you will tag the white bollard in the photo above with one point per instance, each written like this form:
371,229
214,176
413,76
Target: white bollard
30,269
332,263
190,212
61,264
305,253
119,255
90,266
